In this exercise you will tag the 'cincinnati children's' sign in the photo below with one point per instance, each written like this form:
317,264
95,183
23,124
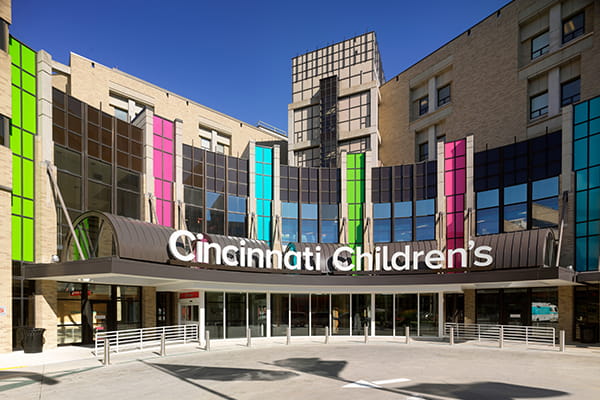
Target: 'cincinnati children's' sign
380,260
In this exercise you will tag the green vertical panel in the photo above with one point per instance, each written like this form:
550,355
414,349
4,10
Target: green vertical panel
15,140
17,205
29,114
16,237
17,177
27,142
28,60
15,51
29,83
28,207
16,106
15,75
28,239
28,179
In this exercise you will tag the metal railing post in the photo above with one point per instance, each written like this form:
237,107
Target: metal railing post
366,333
562,340
289,336
326,334
407,334
207,338
163,350
117,341
451,336
526,336
141,339
106,352
248,337
184,334
501,337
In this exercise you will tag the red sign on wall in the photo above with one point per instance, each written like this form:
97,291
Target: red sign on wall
189,295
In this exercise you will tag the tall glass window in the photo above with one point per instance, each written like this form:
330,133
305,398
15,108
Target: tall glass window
544,207
382,226
406,313
289,224
428,314
403,226
280,314
361,309
194,208
319,310
215,213
299,309
425,219
257,314
488,212
236,216
329,223
69,312
488,306
340,314
384,314
236,315
540,45
309,223
214,314
129,309
515,208
538,105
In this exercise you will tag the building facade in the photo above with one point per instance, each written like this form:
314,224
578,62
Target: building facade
486,146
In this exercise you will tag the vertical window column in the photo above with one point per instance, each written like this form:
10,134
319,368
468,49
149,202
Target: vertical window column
164,147
455,188
264,191
356,198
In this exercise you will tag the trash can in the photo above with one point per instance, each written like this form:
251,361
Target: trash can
33,340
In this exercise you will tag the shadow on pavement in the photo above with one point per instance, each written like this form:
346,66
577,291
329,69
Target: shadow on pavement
315,366
14,379
224,374
481,390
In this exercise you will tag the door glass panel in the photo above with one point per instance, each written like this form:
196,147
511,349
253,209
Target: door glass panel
319,313
406,313
488,306
214,314
280,308
516,307
384,314
299,315
428,314
99,317
236,315
340,314
361,308
257,311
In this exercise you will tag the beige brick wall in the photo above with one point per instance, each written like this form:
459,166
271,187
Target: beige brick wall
5,251
46,311
5,85
93,85
470,310
565,310
488,90
148,307
5,10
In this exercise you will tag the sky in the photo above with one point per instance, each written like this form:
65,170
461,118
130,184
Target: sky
235,56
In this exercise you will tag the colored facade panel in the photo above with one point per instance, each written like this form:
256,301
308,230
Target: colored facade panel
22,132
355,172
264,192
163,141
455,169
586,164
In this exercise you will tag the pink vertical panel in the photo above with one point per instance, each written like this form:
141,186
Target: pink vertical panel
448,183
157,164
167,165
461,147
163,169
157,124
157,142
167,129
167,192
158,189
454,189
167,146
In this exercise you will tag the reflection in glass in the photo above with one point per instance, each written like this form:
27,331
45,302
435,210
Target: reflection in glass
382,230
257,314
406,313
544,213
236,315
515,217
340,314
384,314
488,306
428,314
544,307
425,228
403,229
214,314
299,315
361,310
488,221
319,314
280,307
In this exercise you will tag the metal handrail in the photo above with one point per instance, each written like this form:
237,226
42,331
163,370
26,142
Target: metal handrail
143,338
513,333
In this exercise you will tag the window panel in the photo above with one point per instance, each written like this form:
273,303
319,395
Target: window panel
540,45
488,221
538,105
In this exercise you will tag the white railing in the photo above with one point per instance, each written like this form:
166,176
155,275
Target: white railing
510,333
145,338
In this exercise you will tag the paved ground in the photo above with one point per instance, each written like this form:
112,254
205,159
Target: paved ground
348,369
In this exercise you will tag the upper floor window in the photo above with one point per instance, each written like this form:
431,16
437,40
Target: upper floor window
3,35
569,92
573,27
205,144
423,152
423,105
540,45
538,105
443,95
4,136
121,114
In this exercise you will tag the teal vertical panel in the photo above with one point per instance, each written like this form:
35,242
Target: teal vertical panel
264,191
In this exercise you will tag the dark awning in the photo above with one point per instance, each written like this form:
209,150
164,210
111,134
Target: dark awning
522,249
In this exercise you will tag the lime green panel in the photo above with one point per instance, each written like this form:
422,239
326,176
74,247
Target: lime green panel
15,140
28,60
17,205
16,238
29,83
17,176
27,179
29,114
351,234
15,53
28,239
15,75
27,141
351,174
16,106
28,208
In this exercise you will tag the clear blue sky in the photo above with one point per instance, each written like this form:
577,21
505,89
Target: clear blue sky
235,56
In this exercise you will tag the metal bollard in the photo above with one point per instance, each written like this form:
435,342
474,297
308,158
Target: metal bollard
451,336
562,341
501,338
249,337
326,334
207,338
106,352
163,350
407,333
366,334
289,336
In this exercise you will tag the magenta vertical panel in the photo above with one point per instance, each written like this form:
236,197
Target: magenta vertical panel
454,189
163,154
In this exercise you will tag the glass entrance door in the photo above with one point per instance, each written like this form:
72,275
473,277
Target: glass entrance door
99,316
189,314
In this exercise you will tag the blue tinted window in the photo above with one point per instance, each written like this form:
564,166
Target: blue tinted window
403,230
515,194
425,228
594,252
382,210
594,152
309,211
595,107
289,230
488,221
329,231
215,200
403,209
544,213
425,207
237,204
594,204
594,180
581,179
487,199
382,232
545,188
309,231
515,217
329,211
581,112
581,207
580,157
289,210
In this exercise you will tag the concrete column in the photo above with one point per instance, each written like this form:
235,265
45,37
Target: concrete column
343,197
440,220
470,220
202,313
470,307
130,110
555,29
432,93
567,148
567,184
46,311
252,222
268,315
372,316
553,92
291,137
566,306
178,184
432,143
6,278
374,137
276,203
148,307
45,208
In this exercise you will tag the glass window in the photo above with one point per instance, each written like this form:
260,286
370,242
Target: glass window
544,213
515,194
205,144
423,152
289,210
443,95
540,45
545,188
361,309
569,92
403,209
403,230
121,114
406,313
236,224
487,199
573,27
382,210
99,197
329,211
299,308
425,207
215,200
488,221
329,231
425,228
488,306
515,217
538,105
309,211
235,307
340,314
319,313
382,230
280,307
236,204
214,314
99,171
215,222
257,314
423,105
309,231
384,315
428,314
